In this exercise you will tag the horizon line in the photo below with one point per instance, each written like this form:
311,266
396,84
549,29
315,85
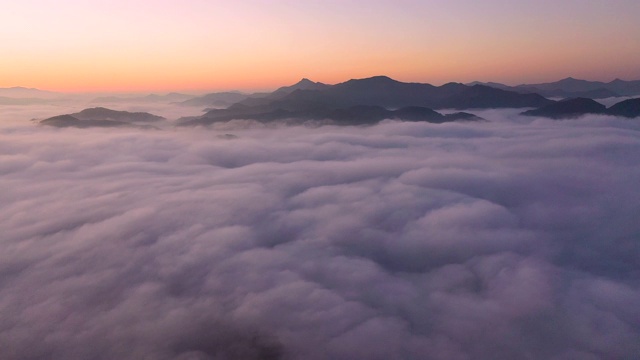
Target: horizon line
271,89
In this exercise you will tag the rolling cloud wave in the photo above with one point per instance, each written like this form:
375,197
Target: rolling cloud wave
498,240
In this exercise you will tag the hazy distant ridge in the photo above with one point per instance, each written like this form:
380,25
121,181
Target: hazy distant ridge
20,92
570,87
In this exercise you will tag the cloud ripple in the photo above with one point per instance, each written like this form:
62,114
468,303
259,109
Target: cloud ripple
499,240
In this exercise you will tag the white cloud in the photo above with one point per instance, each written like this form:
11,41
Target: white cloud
500,240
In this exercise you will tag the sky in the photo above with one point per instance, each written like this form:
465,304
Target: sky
203,45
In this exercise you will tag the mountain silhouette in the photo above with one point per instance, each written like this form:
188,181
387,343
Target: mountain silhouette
574,88
568,84
101,113
353,115
304,84
573,108
570,108
386,92
625,88
482,97
102,117
367,114
628,108
362,98
264,99
71,121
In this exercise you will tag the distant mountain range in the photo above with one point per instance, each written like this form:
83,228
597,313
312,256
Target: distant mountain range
304,84
27,96
573,108
19,92
574,88
366,100
4,100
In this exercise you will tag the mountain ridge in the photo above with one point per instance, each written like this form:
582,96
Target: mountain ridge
571,88
576,107
309,100
102,117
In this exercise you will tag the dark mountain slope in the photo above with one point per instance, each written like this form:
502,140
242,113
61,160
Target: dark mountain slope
628,108
70,121
386,92
100,113
304,84
353,115
573,108
480,96
570,108
102,117
568,84
312,100
624,88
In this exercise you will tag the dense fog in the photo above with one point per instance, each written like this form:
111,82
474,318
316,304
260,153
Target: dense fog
514,238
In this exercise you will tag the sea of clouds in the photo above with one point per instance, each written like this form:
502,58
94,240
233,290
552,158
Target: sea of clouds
515,238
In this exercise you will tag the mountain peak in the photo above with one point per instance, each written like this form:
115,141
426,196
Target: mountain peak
304,84
305,81
380,78
571,80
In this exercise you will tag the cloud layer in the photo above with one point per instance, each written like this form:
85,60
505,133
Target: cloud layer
501,240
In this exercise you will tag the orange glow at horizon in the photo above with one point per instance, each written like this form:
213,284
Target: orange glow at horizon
200,46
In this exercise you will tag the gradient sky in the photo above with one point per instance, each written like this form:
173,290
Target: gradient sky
198,45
